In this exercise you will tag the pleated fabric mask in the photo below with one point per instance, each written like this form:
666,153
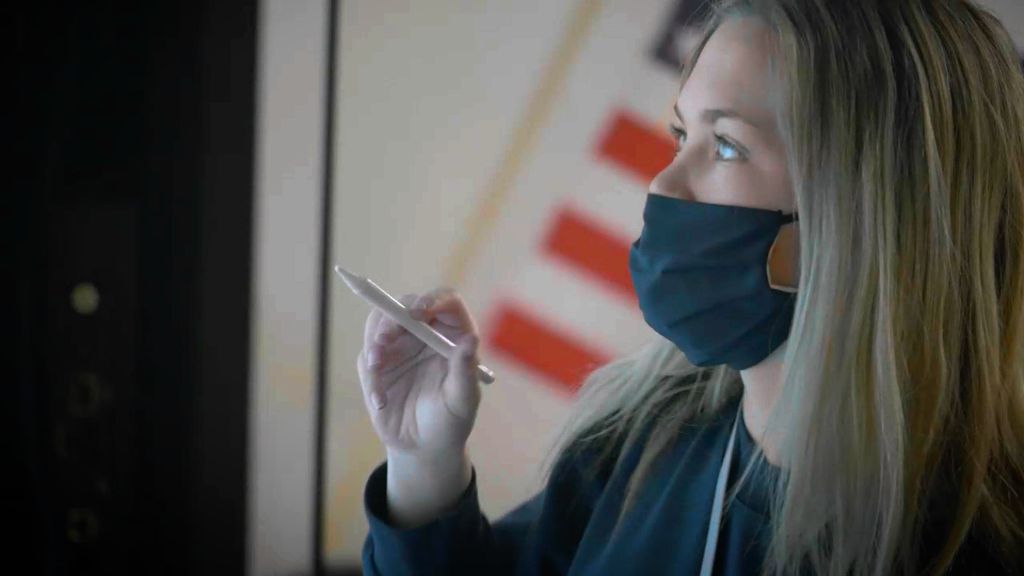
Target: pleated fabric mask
700,272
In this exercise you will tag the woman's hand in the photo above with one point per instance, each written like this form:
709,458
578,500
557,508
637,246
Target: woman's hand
422,405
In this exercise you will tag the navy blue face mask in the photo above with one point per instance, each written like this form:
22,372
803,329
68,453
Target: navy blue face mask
700,273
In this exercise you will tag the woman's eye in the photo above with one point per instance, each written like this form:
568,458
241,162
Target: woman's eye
733,154
724,150
677,134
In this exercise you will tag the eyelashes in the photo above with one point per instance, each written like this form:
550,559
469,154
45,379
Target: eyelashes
734,154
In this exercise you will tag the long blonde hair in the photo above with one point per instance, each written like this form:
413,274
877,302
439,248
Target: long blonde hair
902,405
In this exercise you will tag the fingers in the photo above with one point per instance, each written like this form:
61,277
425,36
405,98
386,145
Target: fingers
387,344
374,394
376,323
387,329
462,390
370,328
396,352
445,305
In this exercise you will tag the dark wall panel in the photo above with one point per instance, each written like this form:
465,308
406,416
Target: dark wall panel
130,237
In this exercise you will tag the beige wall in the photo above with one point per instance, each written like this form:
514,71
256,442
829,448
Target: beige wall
430,94
286,259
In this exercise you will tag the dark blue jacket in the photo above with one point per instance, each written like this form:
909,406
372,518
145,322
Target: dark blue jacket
567,527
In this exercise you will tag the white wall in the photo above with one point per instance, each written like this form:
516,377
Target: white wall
1011,12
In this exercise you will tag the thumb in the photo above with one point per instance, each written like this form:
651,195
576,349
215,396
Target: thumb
462,389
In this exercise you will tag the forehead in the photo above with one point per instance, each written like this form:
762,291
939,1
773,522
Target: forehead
732,70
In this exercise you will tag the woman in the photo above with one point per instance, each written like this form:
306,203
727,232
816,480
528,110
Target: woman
868,419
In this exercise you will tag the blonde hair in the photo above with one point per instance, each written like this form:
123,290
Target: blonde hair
902,405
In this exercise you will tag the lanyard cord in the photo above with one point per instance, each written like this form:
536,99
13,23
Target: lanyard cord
715,523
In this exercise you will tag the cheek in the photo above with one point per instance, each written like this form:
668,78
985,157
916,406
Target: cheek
778,189
754,185
741,187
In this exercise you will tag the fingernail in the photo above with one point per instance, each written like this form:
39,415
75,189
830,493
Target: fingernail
377,399
373,358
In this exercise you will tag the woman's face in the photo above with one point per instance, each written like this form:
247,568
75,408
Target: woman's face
728,148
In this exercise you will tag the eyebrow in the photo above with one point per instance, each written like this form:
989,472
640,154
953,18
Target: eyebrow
710,115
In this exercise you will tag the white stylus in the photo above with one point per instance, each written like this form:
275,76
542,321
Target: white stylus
376,295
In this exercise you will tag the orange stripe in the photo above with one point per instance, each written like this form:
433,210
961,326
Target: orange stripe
561,358
636,146
586,245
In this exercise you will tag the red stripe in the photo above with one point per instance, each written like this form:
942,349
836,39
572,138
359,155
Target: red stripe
636,146
559,357
590,247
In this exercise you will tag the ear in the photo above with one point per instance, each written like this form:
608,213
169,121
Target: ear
783,266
